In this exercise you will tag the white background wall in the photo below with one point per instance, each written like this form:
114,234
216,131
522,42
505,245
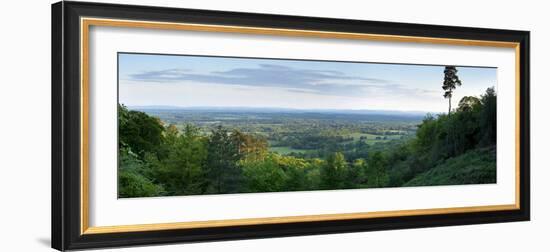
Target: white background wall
25,125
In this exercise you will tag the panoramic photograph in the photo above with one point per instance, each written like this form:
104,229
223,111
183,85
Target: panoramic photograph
199,125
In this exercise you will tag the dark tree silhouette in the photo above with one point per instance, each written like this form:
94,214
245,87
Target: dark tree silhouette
450,82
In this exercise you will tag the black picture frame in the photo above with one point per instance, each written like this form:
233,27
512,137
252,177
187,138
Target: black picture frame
66,125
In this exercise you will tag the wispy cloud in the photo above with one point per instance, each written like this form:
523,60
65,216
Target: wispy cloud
323,82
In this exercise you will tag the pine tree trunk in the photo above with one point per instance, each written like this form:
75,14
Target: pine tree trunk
449,106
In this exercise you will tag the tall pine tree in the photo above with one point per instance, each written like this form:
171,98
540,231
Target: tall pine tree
450,83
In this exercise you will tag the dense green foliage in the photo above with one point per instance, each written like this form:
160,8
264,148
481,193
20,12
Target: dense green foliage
158,159
474,167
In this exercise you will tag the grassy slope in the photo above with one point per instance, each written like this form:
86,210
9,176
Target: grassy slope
474,167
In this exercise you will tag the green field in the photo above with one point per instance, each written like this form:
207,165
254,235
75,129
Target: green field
375,138
286,150
369,138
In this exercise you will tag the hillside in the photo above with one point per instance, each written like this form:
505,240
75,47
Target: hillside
191,153
474,167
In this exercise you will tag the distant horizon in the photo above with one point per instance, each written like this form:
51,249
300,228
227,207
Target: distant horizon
212,81
160,107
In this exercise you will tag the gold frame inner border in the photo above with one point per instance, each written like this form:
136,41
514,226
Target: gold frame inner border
86,23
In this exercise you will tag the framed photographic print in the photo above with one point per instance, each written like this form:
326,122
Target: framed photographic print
180,125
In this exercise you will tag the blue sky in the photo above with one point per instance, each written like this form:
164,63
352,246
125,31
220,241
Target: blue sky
190,81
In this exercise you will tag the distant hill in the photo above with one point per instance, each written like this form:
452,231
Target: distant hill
283,110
